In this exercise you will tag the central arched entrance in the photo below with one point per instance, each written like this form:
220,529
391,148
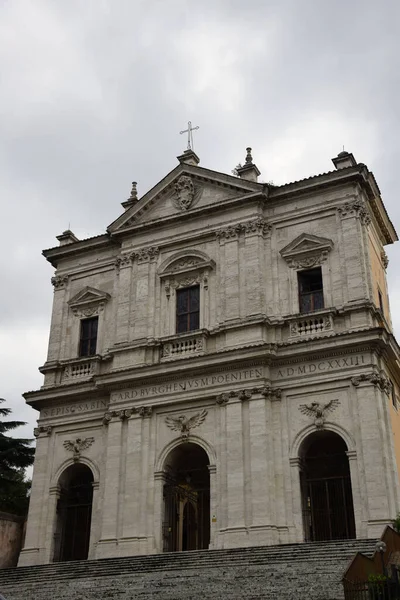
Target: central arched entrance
186,524
74,513
328,510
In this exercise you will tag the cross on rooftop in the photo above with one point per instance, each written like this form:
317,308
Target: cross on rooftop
189,131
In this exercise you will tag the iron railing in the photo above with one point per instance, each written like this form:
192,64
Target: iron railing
373,590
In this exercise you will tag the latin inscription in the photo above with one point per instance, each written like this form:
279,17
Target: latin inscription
320,367
72,409
186,385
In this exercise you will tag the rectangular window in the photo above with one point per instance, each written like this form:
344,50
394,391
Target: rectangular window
188,309
380,301
311,295
393,394
88,339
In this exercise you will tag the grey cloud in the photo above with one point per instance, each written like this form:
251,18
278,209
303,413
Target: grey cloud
94,94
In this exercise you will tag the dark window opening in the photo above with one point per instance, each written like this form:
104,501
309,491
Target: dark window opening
311,296
380,301
393,394
88,339
188,309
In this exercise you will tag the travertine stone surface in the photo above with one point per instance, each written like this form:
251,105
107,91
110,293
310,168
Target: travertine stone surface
252,365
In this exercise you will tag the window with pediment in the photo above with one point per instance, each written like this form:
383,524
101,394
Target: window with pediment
87,307
307,259
184,279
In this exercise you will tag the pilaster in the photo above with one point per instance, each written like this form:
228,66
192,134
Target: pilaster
124,270
34,546
235,474
108,541
354,217
229,238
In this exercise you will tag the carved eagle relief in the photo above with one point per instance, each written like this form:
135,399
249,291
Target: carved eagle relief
185,424
76,446
318,411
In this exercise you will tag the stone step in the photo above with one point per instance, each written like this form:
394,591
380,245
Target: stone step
234,573
160,562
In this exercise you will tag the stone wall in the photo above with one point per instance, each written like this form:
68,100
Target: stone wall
11,534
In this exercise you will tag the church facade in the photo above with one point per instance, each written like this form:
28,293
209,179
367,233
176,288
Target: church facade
221,370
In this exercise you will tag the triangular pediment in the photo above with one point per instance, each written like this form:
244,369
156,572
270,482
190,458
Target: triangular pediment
306,243
306,250
186,189
88,296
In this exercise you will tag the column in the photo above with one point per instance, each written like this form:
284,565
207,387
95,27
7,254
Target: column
60,283
277,482
159,481
133,483
221,510
230,239
354,216
297,502
254,266
361,529
373,442
141,299
146,413
96,521
235,475
124,297
213,506
261,472
151,316
33,551
51,521
108,541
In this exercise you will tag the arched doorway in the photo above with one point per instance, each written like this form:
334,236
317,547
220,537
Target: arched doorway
328,510
186,524
74,513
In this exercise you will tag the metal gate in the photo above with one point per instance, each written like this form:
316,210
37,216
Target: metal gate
74,513
186,524
328,511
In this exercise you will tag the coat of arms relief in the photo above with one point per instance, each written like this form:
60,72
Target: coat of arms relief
186,193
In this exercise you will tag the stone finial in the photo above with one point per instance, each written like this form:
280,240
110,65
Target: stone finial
133,198
134,191
343,160
249,170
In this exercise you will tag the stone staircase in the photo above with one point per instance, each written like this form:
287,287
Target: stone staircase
310,571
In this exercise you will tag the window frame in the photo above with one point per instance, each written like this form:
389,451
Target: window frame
189,313
85,343
312,294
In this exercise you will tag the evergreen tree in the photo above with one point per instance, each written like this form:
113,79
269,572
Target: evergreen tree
16,454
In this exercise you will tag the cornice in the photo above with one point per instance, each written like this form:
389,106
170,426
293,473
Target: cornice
190,215
54,255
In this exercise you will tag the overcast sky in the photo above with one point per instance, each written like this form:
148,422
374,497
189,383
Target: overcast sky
93,94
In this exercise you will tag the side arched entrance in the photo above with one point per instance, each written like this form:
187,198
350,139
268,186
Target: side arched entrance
74,513
186,522
328,511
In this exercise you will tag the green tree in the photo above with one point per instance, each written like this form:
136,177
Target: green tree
16,454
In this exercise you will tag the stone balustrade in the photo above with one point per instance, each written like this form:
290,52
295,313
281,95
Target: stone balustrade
183,346
311,325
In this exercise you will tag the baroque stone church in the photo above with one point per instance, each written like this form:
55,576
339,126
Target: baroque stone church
221,370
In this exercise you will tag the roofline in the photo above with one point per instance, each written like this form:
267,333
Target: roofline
195,171
54,255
